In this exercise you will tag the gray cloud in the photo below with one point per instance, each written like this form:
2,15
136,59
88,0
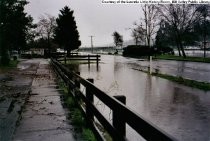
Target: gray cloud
92,17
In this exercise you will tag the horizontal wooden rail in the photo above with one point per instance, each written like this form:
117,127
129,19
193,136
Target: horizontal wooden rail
91,59
84,56
145,128
79,58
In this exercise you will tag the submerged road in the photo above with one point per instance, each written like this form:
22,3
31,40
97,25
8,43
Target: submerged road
181,111
191,70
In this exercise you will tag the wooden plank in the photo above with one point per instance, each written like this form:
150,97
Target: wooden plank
105,123
78,59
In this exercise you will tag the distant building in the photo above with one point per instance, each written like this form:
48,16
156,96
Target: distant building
38,51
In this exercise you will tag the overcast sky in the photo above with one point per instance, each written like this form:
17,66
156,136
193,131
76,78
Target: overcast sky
92,17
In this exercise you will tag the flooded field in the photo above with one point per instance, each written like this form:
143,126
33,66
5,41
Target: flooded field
181,111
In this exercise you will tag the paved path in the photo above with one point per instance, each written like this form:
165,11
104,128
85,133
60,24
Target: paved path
44,118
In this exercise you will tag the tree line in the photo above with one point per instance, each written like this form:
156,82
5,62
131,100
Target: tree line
174,25
18,32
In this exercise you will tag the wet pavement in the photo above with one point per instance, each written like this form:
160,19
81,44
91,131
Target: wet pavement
44,118
14,90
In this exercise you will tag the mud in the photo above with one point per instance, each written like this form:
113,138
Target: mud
14,90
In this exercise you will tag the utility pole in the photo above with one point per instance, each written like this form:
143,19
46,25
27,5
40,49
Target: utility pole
91,38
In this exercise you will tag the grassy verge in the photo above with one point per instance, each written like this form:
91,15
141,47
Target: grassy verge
12,64
192,83
187,82
178,58
76,116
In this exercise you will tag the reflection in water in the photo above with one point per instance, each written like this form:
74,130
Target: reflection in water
180,68
181,111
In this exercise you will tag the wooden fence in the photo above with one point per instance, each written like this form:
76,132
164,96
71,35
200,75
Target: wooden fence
76,56
122,115
82,57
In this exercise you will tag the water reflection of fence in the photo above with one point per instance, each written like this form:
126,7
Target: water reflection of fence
146,69
122,115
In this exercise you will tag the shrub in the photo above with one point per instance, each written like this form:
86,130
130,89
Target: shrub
138,50
134,50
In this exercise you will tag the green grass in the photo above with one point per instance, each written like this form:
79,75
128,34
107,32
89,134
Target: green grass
178,58
76,116
88,135
187,82
12,64
192,83
70,103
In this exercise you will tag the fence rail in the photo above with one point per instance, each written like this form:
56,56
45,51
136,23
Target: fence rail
122,115
79,58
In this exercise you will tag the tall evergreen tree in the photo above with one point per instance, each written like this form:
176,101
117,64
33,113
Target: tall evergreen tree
66,33
14,25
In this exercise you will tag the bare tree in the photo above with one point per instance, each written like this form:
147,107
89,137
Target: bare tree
150,21
118,39
205,12
46,26
138,33
135,36
181,17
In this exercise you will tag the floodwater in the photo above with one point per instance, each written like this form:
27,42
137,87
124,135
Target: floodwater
196,53
191,70
181,111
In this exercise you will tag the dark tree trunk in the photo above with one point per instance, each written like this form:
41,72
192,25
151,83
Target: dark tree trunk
181,45
4,56
204,49
204,39
48,44
177,44
178,47
68,53
182,49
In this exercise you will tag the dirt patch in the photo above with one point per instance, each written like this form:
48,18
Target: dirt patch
15,86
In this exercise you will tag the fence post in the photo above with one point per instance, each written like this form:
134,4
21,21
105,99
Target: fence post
90,98
118,122
97,59
65,58
88,59
77,83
